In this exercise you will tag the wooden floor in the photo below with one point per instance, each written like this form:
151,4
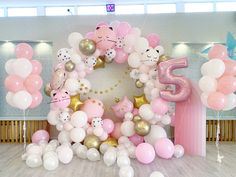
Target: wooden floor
12,166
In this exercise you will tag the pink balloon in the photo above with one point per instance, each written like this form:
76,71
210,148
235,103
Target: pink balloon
61,99
153,40
227,84
183,86
145,153
89,35
135,111
116,132
36,67
14,83
159,106
136,139
123,29
164,148
108,125
216,101
33,83
121,56
36,99
24,50
122,107
230,67
93,108
40,135
218,51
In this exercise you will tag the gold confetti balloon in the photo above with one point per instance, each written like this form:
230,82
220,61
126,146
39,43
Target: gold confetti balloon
142,127
139,101
87,47
47,89
75,102
92,141
69,66
111,141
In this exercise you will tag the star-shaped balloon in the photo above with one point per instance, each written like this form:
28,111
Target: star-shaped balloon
75,102
100,63
122,107
140,100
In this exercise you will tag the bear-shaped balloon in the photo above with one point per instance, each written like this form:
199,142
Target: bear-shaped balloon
58,79
61,98
64,117
104,37
151,56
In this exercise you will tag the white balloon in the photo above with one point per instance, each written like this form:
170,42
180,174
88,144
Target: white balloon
156,174
131,152
71,85
122,152
53,117
204,97
79,119
50,163
74,39
54,143
230,102
65,154
109,158
22,99
75,58
59,126
145,111
50,154
204,68
77,135
98,131
22,67
135,31
156,133
93,154
9,98
104,136
9,66
64,137
123,139
215,68
207,84
33,161
134,60
48,148
143,78
128,116
81,151
166,120
64,55
179,151
123,161
141,45
126,171
127,128
35,149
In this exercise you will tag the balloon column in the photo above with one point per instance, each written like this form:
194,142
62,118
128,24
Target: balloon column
82,127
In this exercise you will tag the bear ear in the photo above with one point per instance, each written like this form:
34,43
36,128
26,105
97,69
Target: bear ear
98,27
110,28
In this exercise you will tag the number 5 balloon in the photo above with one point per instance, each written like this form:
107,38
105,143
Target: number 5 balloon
183,86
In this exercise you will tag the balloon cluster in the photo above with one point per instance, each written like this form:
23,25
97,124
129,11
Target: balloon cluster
82,127
218,82
24,81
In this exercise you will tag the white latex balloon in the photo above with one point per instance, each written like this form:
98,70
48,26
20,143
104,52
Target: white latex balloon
104,136
166,120
103,148
81,151
145,111
93,154
141,45
122,152
207,84
134,60
22,67
204,97
79,119
143,78
77,135
22,99
127,128
65,154
204,68
9,66
64,137
109,158
33,161
71,85
59,126
84,86
54,143
123,161
98,131
131,152
230,102
179,151
123,139
50,163
156,174
128,116
53,117
74,39
215,68
35,149
9,98
126,171
75,146
75,58
156,133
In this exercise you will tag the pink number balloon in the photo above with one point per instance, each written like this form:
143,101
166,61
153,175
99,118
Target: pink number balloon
216,101
218,51
36,67
14,83
24,50
40,135
36,99
183,86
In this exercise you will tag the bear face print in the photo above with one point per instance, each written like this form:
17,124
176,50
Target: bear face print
97,122
90,62
151,56
64,117
110,54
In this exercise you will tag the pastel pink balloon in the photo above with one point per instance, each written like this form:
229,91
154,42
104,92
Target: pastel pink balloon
24,50
36,99
33,83
218,51
14,83
121,56
40,135
216,100
36,67
159,106
123,29
230,67
145,153
135,111
164,148
136,139
89,35
108,125
93,108
227,84
122,107
153,40
116,132
61,99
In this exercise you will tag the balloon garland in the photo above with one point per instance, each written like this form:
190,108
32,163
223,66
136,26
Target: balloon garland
82,128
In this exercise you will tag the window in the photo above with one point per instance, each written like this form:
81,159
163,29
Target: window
226,6
1,12
129,9
14,12
92,10
59,11
198,7
161,8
